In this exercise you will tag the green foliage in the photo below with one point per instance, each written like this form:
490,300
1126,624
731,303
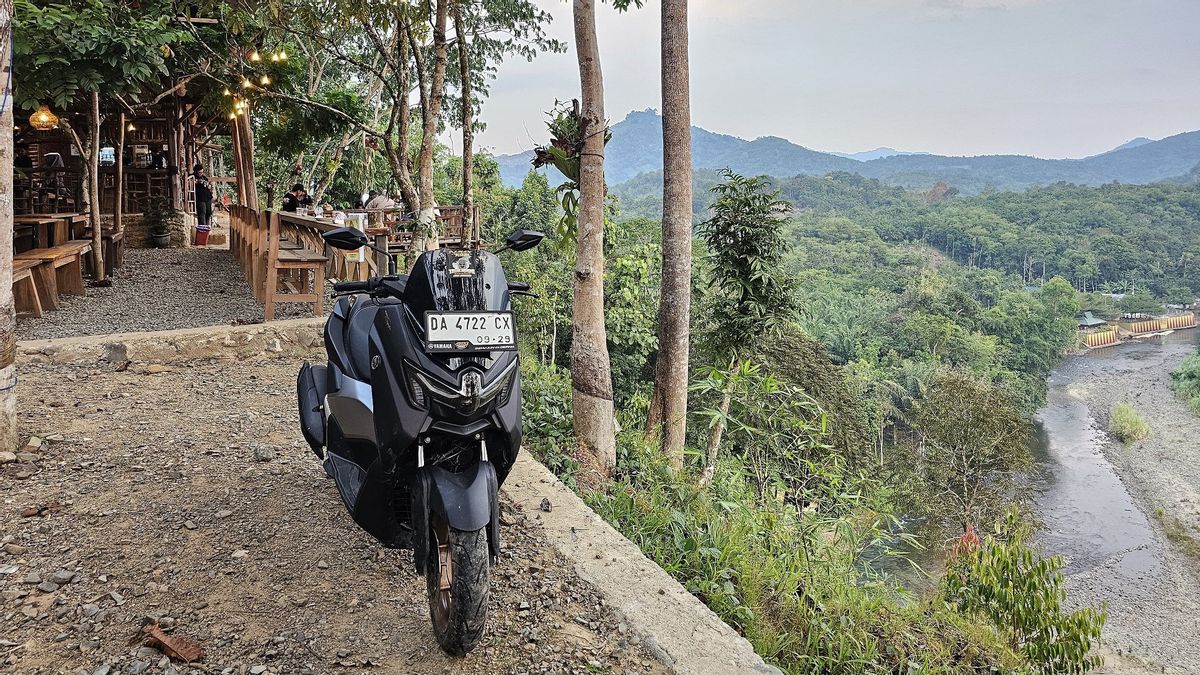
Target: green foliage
1185,380
160,218
788,575
567,136
750,296
971,441
1140,303
64,50
546,408
1022,592
1126,424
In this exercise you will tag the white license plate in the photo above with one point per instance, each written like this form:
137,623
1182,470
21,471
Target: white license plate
469,331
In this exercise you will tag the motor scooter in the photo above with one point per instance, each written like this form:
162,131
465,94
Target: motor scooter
416,416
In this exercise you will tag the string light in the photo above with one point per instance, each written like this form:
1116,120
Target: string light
275,57
246,83
227,92
131,127
283,55
264,80
254,56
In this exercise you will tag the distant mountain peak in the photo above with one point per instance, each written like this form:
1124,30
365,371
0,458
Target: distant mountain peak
636,150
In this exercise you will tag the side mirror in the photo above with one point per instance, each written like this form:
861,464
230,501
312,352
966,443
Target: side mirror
345,238
523,240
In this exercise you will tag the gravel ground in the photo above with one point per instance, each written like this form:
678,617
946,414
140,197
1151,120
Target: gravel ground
185,495
159,289
1156,623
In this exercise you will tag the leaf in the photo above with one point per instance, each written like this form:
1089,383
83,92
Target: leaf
176,647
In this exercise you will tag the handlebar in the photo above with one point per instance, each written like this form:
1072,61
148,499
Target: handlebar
356,286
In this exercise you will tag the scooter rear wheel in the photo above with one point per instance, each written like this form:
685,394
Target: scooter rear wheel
457,582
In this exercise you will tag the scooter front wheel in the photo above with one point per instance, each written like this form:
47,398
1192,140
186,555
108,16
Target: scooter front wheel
457,581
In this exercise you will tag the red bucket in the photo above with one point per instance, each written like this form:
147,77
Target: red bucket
201,237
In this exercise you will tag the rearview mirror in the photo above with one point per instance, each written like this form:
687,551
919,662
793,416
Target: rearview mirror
523,240
345,238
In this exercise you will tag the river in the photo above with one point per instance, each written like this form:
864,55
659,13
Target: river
1089,515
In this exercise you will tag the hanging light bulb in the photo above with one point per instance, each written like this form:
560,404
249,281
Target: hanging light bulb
43,119
233,115
246,83
275,57
254,56
264,80
130,127
227,92
283,55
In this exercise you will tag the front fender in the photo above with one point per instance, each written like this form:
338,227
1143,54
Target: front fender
466,501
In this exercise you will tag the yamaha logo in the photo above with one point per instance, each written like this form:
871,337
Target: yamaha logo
375,361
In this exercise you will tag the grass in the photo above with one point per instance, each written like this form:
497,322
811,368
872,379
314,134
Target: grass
1126,424
1179,534
789,580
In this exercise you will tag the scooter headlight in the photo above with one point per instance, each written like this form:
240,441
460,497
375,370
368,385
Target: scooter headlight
470,395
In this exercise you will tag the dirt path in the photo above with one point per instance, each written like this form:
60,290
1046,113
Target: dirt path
185,495
1154,617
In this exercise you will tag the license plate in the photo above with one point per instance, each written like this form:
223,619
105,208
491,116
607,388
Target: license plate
469,331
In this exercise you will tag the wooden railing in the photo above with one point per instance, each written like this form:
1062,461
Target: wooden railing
285,260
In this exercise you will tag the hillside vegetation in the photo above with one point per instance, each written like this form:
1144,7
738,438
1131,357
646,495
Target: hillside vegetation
873,392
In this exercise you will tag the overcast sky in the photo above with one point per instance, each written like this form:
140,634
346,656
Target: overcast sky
1052,78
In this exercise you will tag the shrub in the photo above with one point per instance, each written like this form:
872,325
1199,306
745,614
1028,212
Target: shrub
1185,380
1021,592
791,578
1126,424
546,416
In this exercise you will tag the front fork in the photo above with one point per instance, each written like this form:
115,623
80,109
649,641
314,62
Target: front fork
466,501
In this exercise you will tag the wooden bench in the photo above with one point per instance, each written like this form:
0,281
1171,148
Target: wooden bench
29,296
65,263
113,243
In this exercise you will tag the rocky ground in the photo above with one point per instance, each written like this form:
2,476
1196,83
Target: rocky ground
185,496
159,289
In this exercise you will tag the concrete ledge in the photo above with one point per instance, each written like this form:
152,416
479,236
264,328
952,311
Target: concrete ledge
679,629
291,338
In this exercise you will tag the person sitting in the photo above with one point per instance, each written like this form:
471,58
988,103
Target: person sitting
379,200
295,199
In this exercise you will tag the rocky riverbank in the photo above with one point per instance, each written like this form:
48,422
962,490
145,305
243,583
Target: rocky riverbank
1153,615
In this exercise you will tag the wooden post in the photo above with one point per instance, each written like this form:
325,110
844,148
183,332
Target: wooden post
119,195
381,259
271,285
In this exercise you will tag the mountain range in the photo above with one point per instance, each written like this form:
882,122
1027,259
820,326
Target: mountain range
636,148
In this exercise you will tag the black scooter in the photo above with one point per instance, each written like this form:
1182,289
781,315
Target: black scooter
417,416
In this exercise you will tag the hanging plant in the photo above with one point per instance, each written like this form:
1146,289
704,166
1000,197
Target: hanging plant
567,134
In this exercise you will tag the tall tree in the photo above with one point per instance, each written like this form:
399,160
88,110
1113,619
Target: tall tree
468,120
668,410
8,336
591,374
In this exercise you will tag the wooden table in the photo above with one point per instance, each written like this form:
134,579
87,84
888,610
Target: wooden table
73,224
44,228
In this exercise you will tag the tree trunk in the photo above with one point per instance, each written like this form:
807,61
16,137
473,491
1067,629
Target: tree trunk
119,188
426,218
591,376
674,306
8,320
93,186
468,131
718,430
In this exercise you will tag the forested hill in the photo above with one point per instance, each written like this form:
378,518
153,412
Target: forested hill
636,148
